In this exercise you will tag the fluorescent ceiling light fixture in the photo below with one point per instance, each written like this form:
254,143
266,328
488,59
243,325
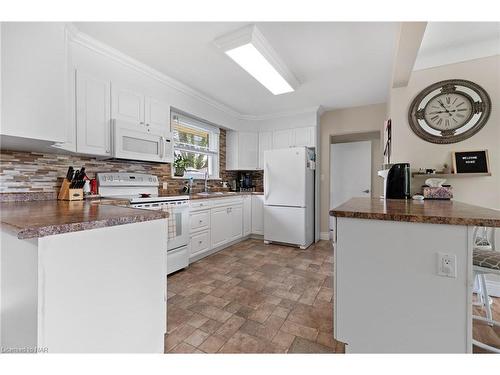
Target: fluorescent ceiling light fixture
249,49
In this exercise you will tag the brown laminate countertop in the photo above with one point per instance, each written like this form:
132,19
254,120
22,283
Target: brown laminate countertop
224,195
34,219
427,211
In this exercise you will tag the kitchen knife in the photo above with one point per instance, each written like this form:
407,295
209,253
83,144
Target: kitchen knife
69,174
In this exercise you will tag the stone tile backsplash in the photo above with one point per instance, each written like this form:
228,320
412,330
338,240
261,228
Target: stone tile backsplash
37,172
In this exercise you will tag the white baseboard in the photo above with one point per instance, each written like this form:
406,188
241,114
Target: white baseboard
324,236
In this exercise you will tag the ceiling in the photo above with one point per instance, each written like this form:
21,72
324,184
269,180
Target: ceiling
452,42
339,64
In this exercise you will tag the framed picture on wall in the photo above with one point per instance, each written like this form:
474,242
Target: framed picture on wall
471,162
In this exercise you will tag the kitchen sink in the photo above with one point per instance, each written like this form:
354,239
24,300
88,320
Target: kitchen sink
214,193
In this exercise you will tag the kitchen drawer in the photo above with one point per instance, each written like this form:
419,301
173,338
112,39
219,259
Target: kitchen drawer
199,243
221,202
199,204
200,220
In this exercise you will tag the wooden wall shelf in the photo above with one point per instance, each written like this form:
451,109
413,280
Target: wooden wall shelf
449,175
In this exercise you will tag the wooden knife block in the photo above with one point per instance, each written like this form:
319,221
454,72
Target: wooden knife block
68,194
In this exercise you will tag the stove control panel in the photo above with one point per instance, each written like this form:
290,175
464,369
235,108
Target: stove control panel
126,179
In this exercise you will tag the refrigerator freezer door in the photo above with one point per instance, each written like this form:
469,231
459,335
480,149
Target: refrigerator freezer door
285,177
287,225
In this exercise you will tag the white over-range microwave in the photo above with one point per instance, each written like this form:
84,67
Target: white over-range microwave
141,142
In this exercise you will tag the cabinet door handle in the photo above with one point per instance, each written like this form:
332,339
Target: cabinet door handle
201,221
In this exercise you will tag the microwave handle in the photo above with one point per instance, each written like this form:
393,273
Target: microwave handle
162,147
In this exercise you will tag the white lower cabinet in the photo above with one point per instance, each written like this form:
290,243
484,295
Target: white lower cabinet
258,214
226,224
199,243
217,222
220,224
200,220
247,215
235,217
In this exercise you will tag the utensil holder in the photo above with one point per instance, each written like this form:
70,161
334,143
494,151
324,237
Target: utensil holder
68,194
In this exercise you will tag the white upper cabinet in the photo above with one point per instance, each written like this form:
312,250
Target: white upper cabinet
34,78
93,115
157,113
135,107
304,137
242,150
248,150
127,105
282,138
265,143
232,153
294,137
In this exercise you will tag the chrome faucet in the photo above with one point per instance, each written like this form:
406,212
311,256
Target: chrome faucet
206,181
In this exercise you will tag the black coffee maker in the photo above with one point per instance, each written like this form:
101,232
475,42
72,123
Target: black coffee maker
398,182
244,181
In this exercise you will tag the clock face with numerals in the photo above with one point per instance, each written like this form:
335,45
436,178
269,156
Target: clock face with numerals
449,111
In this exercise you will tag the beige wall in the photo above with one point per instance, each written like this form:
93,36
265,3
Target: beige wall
341,122
407,147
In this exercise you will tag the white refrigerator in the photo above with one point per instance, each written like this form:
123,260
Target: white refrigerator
289,196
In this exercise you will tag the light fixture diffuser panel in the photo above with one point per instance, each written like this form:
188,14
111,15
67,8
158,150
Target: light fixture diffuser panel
249,49
250,59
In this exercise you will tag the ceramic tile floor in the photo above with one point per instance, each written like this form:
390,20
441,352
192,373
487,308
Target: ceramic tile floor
254,298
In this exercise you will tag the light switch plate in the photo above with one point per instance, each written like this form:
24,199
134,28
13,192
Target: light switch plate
446,265
165,185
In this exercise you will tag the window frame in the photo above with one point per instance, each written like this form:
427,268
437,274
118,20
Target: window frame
213,152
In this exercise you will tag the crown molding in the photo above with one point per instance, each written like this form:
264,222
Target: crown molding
89,42
76,36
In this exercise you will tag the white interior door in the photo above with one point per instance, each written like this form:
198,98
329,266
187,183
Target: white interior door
350,172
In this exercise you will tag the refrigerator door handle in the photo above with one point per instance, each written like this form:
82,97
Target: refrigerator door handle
266,180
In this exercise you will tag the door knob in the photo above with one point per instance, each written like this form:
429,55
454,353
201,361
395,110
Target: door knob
366,191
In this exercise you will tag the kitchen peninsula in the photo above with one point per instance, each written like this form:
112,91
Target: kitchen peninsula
82,277
389,295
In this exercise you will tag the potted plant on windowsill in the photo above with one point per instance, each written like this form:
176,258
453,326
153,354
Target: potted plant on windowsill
179,166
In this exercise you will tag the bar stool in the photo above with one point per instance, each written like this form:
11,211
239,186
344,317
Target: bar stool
485,262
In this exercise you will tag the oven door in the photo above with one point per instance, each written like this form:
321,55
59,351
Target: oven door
180,236
139,142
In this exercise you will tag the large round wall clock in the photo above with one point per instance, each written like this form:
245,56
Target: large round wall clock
449,111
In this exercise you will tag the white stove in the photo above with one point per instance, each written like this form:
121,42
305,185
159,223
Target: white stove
141,191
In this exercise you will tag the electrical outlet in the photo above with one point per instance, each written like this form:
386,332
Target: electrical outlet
165,185
447,265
